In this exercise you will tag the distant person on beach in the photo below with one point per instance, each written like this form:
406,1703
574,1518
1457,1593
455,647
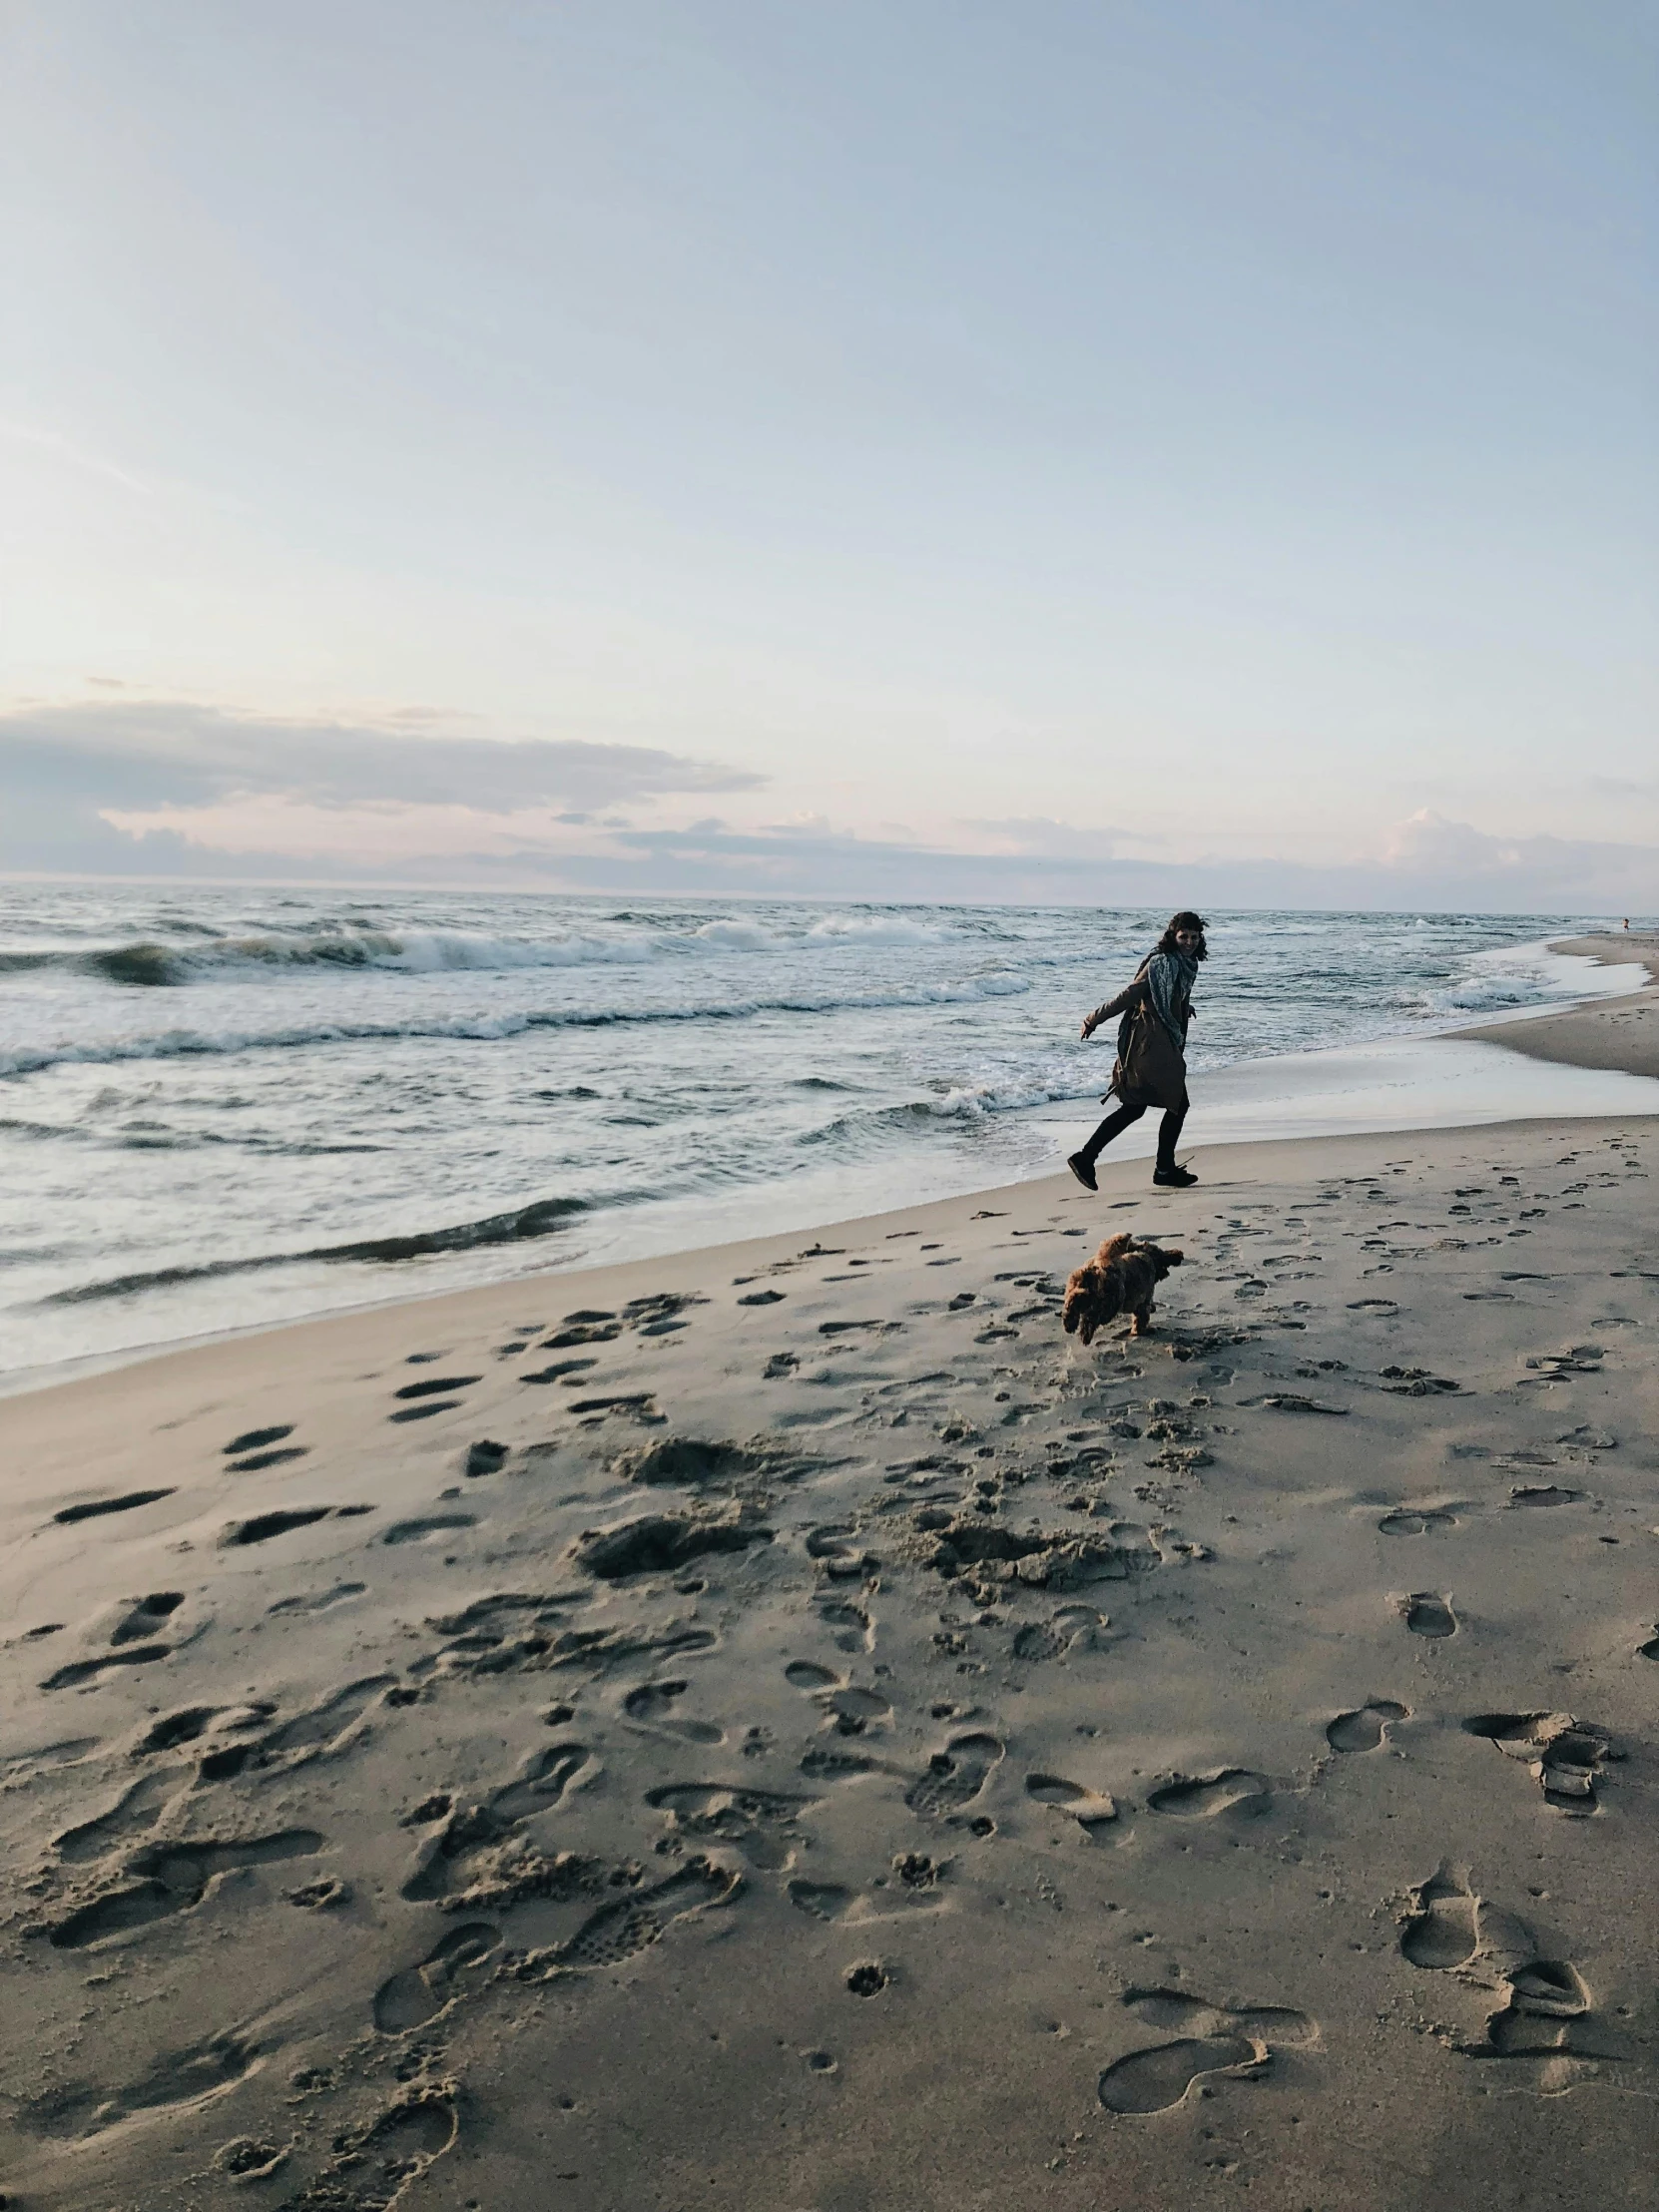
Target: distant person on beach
1151,1066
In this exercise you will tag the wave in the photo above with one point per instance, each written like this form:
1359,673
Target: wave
542,1219
967,1102
150,963
180,1043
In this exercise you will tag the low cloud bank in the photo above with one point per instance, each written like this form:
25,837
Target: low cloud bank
179,789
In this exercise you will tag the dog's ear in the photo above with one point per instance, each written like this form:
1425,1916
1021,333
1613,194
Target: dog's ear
1175,1259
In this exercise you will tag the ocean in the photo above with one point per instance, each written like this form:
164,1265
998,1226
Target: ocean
222,1107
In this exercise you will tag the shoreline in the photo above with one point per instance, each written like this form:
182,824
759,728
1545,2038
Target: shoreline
1347,1092
1264,1162
1620,1033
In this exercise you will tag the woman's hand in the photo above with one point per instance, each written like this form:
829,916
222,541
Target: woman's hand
1087,1030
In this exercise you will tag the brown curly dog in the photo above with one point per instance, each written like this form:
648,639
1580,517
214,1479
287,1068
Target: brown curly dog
1120,1278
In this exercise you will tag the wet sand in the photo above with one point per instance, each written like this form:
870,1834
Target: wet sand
1618,1033
783,1727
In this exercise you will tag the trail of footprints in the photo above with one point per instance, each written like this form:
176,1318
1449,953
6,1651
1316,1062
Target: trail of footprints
475,1863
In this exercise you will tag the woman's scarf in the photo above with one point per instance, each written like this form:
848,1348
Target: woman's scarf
1170,977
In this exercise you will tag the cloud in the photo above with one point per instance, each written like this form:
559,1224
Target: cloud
1583,873
123,787
1040,835
84,781
171,751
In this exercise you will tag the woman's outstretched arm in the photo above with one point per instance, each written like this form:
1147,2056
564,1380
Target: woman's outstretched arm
1135,996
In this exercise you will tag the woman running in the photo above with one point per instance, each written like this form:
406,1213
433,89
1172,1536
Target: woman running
1151,1066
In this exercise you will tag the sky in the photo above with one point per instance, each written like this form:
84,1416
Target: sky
894,448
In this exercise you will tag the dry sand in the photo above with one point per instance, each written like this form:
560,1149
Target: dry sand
785,1728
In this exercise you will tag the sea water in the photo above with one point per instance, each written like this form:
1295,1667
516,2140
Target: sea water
221,1107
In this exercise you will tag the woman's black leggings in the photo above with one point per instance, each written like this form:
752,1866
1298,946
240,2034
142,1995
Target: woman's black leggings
1169,1135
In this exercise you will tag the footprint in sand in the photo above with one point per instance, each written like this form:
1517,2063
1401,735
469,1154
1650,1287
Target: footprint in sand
255,1440
1154,2080
831,1901
1366,1726
143,1616
1202,1797
1417,1520
620,1931
172,1877
320,1730
191,1722
854,1630
262,1528
1548,1998
559,1369
81,1671
1053,1638
823,1900
836,1557
128,1503
1565,1755
824,1765
1215,2040
27,1766
318,1601
660,1544
1544,1493
1427,1613
806,1676
652,1705
249,2158
435,1395
544,1780
174,2078
376,2166
758,1822
1441,1933
410,1999
250,1452
955,1775
133,1814
465,1852
429,1525
1090,1809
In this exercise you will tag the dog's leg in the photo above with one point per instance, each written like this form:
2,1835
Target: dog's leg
1141,1325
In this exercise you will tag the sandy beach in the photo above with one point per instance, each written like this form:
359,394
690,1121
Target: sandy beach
783,1727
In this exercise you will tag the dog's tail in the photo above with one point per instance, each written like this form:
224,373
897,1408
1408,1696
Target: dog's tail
1113,1248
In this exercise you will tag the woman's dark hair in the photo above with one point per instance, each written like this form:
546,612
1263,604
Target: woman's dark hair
1184,921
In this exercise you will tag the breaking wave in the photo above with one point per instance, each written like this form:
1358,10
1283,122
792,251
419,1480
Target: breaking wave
151,963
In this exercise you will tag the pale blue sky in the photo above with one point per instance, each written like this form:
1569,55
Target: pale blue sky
1048,431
